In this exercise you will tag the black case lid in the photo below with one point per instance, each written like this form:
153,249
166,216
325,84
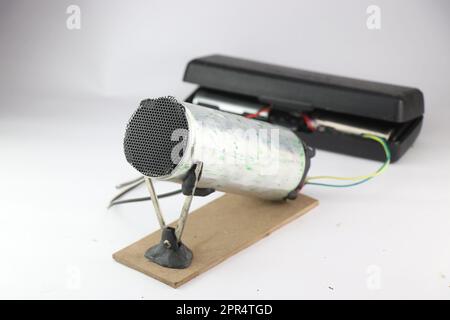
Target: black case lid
294,89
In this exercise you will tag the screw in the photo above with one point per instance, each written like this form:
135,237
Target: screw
167,244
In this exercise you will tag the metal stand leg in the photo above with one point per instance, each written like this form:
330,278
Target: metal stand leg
155,202
170,252
195,176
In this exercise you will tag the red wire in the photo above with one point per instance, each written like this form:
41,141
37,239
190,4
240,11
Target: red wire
308,122
258,113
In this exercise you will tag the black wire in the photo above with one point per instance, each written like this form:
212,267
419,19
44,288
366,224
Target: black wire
128,189
127,183
160,196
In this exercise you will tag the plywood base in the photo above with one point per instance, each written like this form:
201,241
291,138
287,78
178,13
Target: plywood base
215,232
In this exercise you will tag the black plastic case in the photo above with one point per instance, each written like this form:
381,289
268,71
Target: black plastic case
293,90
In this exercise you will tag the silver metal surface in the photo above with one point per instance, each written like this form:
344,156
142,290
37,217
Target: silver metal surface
240,155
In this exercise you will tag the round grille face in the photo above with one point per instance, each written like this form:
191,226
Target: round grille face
150,140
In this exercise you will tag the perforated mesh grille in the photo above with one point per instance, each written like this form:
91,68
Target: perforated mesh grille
148,145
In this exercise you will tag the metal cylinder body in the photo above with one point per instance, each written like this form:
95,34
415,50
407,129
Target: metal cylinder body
239,155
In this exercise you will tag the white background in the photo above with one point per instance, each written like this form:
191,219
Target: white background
66,96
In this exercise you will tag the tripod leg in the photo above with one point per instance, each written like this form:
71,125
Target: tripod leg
155,202
170,252
188,200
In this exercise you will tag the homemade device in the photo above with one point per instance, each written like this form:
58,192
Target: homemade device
251,128
207,150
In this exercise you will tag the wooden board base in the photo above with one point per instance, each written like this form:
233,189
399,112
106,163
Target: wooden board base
215,232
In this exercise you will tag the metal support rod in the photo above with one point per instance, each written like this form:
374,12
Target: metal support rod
155,201
187,203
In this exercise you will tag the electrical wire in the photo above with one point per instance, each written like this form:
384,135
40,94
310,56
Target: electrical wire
361,179
258,113
357,179
130,185
308,122
127,183
160,196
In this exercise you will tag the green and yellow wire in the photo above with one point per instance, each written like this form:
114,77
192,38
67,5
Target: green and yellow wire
358,179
